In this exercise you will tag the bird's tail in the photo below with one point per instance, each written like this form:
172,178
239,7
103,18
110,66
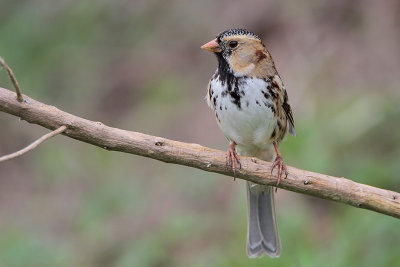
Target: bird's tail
262,231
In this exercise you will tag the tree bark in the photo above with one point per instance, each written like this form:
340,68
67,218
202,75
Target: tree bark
194,155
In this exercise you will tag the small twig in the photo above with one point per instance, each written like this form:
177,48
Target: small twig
34,144
13,79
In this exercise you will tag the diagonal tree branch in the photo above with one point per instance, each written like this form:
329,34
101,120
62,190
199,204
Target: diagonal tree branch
34,144
194,155
13,79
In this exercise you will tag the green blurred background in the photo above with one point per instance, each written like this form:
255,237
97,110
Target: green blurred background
137,65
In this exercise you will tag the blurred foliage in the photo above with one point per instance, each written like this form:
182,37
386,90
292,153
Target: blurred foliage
137,65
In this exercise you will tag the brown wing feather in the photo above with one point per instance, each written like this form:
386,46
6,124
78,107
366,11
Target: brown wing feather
288,112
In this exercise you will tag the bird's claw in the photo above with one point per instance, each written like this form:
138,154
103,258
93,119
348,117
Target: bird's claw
281,167
232,158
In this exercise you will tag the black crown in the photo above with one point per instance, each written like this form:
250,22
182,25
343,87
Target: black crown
235,32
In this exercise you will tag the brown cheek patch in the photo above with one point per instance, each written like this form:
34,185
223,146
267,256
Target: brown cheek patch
260,55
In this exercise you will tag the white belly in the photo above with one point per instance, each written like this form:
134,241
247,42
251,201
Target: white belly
252,124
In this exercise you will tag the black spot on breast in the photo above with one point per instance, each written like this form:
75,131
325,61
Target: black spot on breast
236,98
266,94
270,106
235,93
215,100
225,108
273,93
224,93
247,103
258,103
220,107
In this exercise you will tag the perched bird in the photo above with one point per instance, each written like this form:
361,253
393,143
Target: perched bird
251,106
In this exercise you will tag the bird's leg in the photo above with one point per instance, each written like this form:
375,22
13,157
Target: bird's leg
279,164
232,158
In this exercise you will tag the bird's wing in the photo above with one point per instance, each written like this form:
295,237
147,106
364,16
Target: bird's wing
288,113
276,82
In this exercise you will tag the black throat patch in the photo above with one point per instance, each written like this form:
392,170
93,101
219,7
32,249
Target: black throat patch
233,84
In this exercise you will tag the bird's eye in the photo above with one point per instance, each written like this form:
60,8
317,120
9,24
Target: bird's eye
233,44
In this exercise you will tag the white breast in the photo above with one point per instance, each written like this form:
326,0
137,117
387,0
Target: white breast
248,119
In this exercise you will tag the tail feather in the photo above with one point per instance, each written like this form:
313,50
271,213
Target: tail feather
262,232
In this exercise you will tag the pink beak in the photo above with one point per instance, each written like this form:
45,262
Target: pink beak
212,46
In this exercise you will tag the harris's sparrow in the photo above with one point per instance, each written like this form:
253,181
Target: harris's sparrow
251,106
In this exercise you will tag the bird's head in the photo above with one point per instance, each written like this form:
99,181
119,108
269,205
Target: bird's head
242,53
